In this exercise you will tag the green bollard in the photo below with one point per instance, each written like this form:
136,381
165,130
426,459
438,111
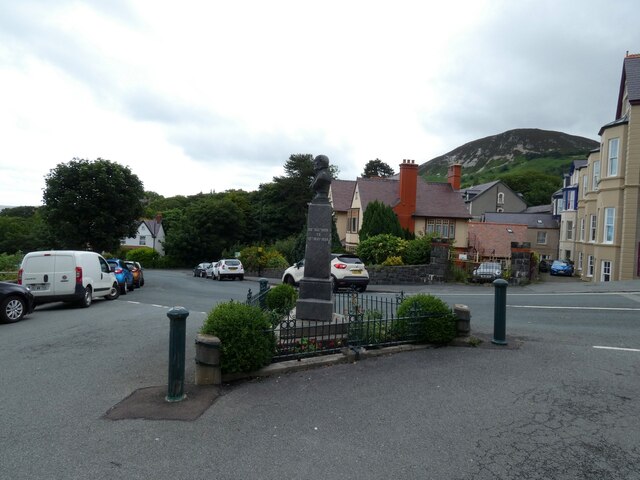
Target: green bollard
264,287
500,312
177,328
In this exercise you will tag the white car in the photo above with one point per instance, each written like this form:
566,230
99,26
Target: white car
228,268
347,270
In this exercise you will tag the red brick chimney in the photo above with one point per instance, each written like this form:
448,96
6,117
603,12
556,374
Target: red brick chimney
453,176
408,192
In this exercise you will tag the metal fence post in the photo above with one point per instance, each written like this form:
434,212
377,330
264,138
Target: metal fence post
500,312
177,328
264,287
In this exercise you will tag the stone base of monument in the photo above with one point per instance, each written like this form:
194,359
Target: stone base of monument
315,301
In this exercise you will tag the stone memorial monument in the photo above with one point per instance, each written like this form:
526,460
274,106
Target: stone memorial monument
314,301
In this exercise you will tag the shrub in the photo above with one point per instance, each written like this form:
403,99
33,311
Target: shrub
282,298
377,249
435,320
146,256
248,342
417,251
253,258
393,261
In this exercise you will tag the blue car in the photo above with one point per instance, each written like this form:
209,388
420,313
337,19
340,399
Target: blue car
561,267
123,275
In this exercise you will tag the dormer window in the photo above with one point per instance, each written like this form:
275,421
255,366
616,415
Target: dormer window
500,198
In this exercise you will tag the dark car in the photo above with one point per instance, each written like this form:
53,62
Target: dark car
123,275
543,266
200,270
487,272
561,267
16,301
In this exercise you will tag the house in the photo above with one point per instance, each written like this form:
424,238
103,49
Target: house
492,241
568,214
607,246
494,196
543,230
422,207
150,233
340,196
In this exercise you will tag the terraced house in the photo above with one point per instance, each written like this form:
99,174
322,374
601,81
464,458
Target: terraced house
607,245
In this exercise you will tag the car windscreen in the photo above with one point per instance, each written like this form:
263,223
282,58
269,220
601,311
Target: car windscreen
232,262
349,259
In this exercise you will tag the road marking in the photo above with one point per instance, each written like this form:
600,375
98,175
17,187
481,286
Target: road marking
622,309
617,348
550,294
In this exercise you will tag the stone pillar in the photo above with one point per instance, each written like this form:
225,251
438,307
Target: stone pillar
208,360
463,319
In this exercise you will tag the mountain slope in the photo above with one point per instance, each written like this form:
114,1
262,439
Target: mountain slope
501,152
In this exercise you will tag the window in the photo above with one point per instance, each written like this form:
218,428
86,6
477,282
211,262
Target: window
592,229
500,198
585,183
609,223
542,238
612,166
596,175
352,220
571,200
605,273
569,230
580,260
441,227
582,229
143,240
590,266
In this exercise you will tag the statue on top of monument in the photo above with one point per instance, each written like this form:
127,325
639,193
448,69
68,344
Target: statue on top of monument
322,180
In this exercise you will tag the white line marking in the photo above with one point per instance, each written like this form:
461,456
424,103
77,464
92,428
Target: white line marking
136,303
618,348
623,309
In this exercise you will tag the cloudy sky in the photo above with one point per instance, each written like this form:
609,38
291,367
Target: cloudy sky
199,96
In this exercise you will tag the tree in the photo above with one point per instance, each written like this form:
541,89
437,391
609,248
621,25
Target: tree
379,218
536,187
92,204
377,168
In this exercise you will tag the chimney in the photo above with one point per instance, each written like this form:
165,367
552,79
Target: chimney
159,218
408,193
453,176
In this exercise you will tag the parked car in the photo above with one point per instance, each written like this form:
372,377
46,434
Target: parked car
16,301
347,270
561,267
543,266
200,270
228,268
124,276
487,272
138,273
68,276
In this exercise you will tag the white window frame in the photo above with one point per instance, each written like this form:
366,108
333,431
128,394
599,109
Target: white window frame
593,228
612,164
544,238
580,260
585,185
500,198
569,229
590,266
582,230
609,225
596,175
142,240
605,271
571,200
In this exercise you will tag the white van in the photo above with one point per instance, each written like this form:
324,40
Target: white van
67,276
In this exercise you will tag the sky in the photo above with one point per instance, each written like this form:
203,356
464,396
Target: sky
201,96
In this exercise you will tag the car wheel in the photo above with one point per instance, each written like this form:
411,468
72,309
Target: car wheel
142,282
123,290
219,278
334,284
114,292
361,288
87,298
12,309
241,277
131,286
289,280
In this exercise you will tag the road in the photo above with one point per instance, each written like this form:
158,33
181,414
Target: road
549,405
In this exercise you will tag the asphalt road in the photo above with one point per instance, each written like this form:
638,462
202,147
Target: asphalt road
560,401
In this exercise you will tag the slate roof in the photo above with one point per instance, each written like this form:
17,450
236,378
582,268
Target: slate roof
153,225
539,209
342,194
630,78
495,238
531,220
476,190
433,199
